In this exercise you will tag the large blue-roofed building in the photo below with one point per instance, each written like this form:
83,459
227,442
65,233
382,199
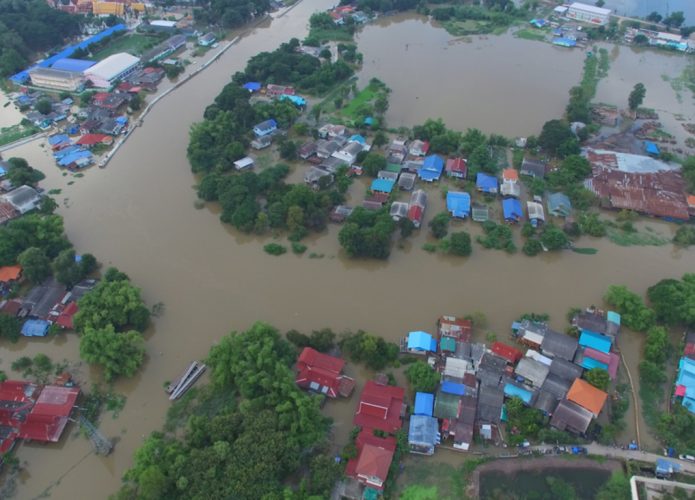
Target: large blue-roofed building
512,210
595,341
382,185
511,391
685,383
431,169
68,64
486,183
421,342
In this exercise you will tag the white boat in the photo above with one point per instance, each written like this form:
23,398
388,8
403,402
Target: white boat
179,386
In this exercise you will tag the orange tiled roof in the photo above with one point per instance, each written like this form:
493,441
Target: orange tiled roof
510,174
587,396
10,273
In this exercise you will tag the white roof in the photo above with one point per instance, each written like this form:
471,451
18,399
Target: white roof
590,8
669,36
538,357
162,23
534,337
455,367
244,162
113,65
560,9
535,210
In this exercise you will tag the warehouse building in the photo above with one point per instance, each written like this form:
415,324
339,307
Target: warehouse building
588,14
107,72
57,79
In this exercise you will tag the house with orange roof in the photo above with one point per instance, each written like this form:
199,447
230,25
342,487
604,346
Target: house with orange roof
8,274
374,457
587,396
510,183
691,204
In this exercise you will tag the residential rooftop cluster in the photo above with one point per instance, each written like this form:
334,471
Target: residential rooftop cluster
476,379
685,381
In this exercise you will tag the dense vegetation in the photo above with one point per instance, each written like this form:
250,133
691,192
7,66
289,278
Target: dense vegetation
634,314
373,351
31,26
248,434
286,66
674,300
422,377
497,236
230,13
367,233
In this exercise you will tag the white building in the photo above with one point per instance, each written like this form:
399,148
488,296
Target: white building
588,14
56,79
115,67
23,199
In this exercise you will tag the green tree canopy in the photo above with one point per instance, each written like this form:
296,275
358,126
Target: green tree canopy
674,300
119,354
439,225
36,267
422,377
460,244
635,315
598,377
10,328
636,96
554,238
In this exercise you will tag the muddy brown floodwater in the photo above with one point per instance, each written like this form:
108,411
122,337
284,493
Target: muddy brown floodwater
138,214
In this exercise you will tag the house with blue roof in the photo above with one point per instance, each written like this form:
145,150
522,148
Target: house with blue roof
265,128
35,328
298,101
486,183
596,341
559,205
514,391
651,148
451,387
685,383
420,342
252,86
565,42
424,404
458,204
431,169
358,138
665,468
513,212
382,185
423,434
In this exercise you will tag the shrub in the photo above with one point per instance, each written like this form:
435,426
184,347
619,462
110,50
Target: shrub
274,249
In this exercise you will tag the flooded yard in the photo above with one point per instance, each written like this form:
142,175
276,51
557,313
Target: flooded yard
498,84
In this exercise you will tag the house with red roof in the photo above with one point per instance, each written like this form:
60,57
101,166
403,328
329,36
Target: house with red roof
511,354
457,167
9,274
65,318
322,373
381,407
374,457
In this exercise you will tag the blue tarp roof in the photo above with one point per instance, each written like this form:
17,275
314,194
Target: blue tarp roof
686,373
421,341
512,209
2,171
453,388
651,148
252,86
35,328
424,403
294,99
382,185
432,168
485,182
595,341
512,390
539,23
77,65
357,138
23,76
67,151
590,363
369,121
664,466
58,139
613,317
459,204
121,120
556,200
564,42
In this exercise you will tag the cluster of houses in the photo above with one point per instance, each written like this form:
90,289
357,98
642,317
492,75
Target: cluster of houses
476,379
15,201
660,39
469,402
46,304
34,412
342,13
685,381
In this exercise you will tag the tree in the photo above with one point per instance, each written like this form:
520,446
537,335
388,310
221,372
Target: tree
422,377
374,351
674,300
117,353
135,102
116,303
373,163
44,106
367,234
323,474
379,140
600,3
322,340
676,19
21,173
636,97
654,17
288,150
406,226
554,135
460,244
532,247
439,225
10,328
635,315
598,377
381,104
36,267
554,238
688,170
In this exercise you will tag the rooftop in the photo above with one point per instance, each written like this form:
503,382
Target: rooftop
587,396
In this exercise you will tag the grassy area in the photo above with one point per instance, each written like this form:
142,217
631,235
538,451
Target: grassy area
16,132
134,44
365,96
428,479
626,238
338,34
531,34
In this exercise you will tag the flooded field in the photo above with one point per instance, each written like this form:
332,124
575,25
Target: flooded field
498,84
138,214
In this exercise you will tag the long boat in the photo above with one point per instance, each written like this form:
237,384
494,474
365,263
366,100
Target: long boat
184,382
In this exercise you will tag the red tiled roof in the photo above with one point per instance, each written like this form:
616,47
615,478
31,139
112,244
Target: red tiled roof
11,307
507,352
49,416
510,174
66,316
689,350
7,212
321,369
374,457
92,139
415,213
457,165
380,407
459,328
691,200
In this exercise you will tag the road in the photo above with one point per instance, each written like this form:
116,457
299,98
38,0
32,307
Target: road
611,452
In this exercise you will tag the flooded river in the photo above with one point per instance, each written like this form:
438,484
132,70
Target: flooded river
138,214
498,84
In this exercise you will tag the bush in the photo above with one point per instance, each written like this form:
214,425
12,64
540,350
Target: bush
374,351
460,244
439,225
532,247
274,249
685,236
298,248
